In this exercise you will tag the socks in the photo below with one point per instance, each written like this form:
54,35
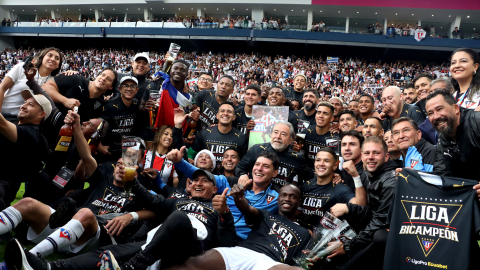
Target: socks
59,239
9,219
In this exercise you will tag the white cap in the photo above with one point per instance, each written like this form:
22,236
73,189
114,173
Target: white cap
124,78
142,55
40,99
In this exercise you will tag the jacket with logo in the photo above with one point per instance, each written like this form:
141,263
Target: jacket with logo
420,157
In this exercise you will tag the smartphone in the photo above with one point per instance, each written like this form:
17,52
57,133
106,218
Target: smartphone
28,63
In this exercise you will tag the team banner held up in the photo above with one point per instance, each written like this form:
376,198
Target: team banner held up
265,118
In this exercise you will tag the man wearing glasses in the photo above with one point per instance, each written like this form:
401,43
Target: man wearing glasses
417,153
205,82
120,114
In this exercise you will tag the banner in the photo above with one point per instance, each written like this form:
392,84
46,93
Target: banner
420,34
265,118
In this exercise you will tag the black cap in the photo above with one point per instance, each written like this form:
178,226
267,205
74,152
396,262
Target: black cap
206,173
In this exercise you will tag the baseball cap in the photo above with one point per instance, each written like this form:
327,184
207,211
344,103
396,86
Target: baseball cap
142,55
40,99
124,78
208,174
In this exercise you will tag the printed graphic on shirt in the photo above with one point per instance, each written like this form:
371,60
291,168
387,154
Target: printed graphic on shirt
111,202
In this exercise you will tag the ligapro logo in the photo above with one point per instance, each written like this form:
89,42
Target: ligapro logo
410,260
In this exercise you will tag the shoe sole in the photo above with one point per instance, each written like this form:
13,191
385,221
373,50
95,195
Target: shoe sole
58,219
12,257
112,264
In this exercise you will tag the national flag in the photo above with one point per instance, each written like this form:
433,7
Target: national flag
171,98
331,60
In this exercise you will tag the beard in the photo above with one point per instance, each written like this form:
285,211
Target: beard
450,123
309,107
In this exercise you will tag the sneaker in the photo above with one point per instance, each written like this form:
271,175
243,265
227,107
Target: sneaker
108,262
64,213
17,257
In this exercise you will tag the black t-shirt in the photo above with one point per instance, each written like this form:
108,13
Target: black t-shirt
315,142
276,237
408,111
23,159
76,87
294,95
105,197
305,121
433,222
216,142
208,105
241,120
121,121
319,198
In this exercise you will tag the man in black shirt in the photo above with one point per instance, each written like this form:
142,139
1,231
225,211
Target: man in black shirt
353,171
319,193
372,127
306,116
422,89
366,105
319,136
209,101
20,139
76,91
276,97
347,121
395,107
299,82
293,167
82,232
120,113
338,108
272,244
219,138
243,120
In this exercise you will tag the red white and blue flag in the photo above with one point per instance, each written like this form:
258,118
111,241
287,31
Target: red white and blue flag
170,99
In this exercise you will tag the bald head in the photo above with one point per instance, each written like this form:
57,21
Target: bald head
393,97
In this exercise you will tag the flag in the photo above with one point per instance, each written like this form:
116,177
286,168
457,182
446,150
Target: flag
170,99
420,34
332,60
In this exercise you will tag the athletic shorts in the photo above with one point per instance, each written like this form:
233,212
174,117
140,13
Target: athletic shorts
92,244
239,258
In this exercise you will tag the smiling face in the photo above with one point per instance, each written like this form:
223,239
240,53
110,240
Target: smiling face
337,105
51,60
325,164
30,112
202,187
140,66
226,115
443,116
388,138
104,81
347,122
204,162
205,82
89,127
365,105
353,106
299,83
230,160
289,199
280,137
178,72
224,87
251,97
422,88
323,117
409,95
128,89
405,135
462,66
373,156
310,101
351,149
263,171
276,97
167,138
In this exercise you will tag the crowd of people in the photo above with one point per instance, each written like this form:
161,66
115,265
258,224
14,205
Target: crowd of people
202,198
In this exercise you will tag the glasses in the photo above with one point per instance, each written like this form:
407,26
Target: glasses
205,80
396,133
129,86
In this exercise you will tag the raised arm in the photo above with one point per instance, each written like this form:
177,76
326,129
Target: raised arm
81,143
252,215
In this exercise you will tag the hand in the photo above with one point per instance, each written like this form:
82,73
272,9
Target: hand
296,147
191,161
339,209
359,129
250,125
336,252
70,72
397,171
73,118
189,140
179,117
350,168
121,168
103,149
150,172
32,72
382,116
116,225
195,115
150,104
238,191
244,180
176,155
220,202
311,262
107,98
69,103
477,189
477,109
335,128
337,179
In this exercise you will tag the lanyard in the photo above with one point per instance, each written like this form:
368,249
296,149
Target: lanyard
463,98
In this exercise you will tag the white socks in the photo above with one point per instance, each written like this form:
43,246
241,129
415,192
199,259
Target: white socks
9,219
59,239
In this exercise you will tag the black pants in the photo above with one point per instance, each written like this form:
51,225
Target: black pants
372,255
8,191
173,243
